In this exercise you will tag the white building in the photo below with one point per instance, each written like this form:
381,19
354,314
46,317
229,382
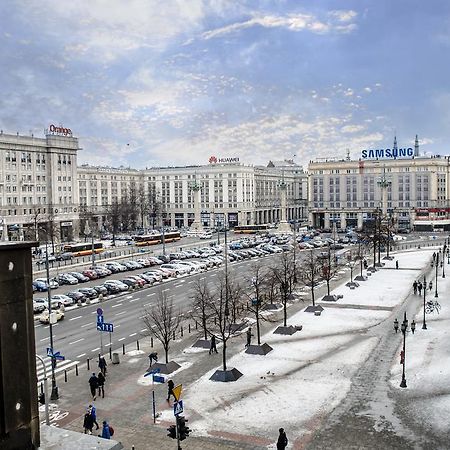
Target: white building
413,189
38,184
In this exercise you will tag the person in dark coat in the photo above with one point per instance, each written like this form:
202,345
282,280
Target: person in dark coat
102,364
106,434
170,386
101,384
93,384
213,347
415,287
430,285
282,440
88,423
249,337
396,264
153,357
419,287
93,412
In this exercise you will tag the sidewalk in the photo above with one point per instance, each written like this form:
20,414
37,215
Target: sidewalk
221,418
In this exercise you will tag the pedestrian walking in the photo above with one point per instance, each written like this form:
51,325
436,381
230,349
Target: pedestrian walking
434,256
102,364
93,413
213,348
88,423
430,285
106,430
365,263
153,357
101,384
170,386
415,287
282,440
396,264
249,337
93,384
419,287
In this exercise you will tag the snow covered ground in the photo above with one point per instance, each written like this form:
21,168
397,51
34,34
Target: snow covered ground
309,373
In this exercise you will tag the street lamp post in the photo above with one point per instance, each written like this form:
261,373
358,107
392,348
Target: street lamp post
404,328
54,395
424,324
443,263
437,266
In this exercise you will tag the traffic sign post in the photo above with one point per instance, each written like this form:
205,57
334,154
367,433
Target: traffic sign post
146,374
55,355
178,408
99,327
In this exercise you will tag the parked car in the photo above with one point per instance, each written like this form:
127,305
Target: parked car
112,288
101,290
102,271
119,284
45,317
44,302
157,275
39,286
144,262
130,282
76,296
90,273
88,292
65,278
79,276
38,307
141,281
62,300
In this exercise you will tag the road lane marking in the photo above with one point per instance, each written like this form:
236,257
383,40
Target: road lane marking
121,339
115,306
45,339
95,349
75,318
134,300
145,329
86,325
79,356
133,334
118,314
164,290
154,293
78,340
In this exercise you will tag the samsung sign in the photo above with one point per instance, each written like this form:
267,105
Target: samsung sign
387,153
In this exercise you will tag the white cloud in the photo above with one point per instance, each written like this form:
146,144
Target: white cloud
344,16
293,22
367,89
352,128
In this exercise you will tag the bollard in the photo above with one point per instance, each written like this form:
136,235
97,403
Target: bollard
65,376
123,349
181,331
174,335
196,325
151,341
88,364
189,328
42,388
110,352
137,345
76,369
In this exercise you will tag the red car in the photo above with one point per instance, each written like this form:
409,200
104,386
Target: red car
90,274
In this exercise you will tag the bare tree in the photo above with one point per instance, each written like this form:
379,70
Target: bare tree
220,321
86,221
201,300
162,320
310,272
284,273
259,280
113,216
155,207
328,267
51,227
142,204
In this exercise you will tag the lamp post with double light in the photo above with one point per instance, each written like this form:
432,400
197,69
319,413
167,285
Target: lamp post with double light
404,328
424,324
436,263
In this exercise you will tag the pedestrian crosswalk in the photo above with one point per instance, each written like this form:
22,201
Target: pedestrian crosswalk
67,364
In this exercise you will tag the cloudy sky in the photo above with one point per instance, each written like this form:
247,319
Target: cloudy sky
171,82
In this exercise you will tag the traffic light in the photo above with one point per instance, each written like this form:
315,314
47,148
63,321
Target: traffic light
183,429
172,431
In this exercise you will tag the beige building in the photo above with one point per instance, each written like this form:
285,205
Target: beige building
413,189
38,185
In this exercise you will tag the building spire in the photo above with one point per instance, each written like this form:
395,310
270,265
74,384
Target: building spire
416,146
395,143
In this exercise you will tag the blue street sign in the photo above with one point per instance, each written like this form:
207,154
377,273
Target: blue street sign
100,319
56,355
158,379
178,408
103,326
152,371
99,312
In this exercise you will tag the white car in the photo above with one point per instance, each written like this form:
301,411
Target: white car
44,302
205,236
117,283
62,300
38,307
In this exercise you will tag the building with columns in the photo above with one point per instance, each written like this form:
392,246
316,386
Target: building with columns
38,185
242,194
412,189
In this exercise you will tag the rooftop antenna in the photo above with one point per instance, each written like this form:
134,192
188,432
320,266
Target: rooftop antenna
348,155
416,146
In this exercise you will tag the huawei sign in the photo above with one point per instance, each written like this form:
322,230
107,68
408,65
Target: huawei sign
215,160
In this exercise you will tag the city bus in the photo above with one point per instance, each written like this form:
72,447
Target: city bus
83,249
250,229
153,239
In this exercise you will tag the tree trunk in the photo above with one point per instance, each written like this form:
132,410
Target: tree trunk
205,331
312,294
224,353
258,331
285,310
166,351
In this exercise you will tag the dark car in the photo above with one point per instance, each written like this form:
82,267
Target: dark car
88,292
130,282
76,296
79,276
101,289
111,288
